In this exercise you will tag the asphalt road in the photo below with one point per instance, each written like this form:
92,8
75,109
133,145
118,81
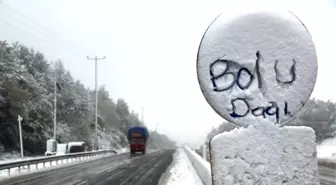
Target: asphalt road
114,170
327,175
120,170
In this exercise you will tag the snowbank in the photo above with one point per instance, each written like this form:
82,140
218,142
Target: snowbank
181,171
327,149
122,150
266,154
201,166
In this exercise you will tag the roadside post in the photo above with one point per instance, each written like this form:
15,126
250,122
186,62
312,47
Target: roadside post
257,69
20,131
204,152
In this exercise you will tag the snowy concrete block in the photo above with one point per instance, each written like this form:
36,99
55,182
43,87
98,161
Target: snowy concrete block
257,63
265,154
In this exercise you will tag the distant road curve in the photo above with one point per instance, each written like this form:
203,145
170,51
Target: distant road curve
119,169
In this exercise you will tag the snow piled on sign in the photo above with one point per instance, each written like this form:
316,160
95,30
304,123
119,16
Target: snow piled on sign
181,171
327,149
265,154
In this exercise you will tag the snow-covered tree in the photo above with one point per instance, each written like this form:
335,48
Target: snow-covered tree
27,89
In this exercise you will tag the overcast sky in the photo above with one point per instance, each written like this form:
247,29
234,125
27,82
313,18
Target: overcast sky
150,49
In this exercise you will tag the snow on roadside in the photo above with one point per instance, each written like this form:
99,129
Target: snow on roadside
15,159
122,150
181,171
327,149
6,157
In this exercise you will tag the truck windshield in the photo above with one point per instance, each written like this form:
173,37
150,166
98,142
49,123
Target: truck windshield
138,140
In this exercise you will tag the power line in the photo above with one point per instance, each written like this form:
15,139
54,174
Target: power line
31,20
11,25
53,35
52,43
142,115
33,28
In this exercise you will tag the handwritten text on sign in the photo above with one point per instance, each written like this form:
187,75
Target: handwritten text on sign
233,79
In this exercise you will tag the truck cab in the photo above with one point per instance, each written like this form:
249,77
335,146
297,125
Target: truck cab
137,138
138,145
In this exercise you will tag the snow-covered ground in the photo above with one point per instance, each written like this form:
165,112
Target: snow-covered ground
13,156
181,171
122,150
327,149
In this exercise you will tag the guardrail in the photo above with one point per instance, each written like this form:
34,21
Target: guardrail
201,166
49,159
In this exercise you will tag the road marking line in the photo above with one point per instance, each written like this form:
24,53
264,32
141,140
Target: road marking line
106,177
66,178
110,170
73,182
82,182
140,168
144,176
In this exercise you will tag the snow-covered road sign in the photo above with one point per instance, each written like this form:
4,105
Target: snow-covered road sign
257,65
258,68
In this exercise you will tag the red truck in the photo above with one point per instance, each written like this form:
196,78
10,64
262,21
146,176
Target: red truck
137,138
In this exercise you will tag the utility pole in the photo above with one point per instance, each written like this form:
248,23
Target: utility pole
88,105
56,85
89,115
20,131
204,152
55,100
96,117
142,115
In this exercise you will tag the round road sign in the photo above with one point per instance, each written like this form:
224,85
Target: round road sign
257,65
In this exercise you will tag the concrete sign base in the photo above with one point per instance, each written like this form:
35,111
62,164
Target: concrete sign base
265,155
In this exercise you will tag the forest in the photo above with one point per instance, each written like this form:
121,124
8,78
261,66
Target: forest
27,89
